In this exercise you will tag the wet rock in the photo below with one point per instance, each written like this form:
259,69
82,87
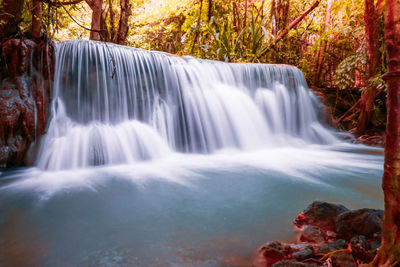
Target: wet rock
376,240
359,242
303,254
4,155
362,249
274,252
289,263
312,234
330,235
26,73
297,247
332,246
366,222
321,245
320,214
342,259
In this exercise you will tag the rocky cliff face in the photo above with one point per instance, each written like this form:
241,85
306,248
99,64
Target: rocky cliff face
26,74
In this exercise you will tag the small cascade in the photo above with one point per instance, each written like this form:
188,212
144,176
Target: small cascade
118,105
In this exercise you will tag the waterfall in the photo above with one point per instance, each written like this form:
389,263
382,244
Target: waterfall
118,105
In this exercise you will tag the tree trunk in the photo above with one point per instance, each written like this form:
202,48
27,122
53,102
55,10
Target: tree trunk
96,6
112,31
210,6
289,27
196,36
279,15
321,51
283,11
123,22
368,95
280,18
273,18
10,16
105,31
389,252
244,19
36,19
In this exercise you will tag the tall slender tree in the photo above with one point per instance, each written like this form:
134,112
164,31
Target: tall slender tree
109,31
36,18
210,9
324,43
96,6
372,32
123,27
389,252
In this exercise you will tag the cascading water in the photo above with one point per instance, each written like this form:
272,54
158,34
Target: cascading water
201,162
114,104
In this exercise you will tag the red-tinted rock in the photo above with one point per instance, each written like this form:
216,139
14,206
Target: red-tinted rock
303,254
312,234
26,71
4,156
320,214
366,222
274,252
298,247
362,249
376,240
332,246
342,259
289,263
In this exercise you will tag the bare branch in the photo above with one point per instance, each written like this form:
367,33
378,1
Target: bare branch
291,26
80,25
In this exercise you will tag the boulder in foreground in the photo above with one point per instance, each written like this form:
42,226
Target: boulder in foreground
329,235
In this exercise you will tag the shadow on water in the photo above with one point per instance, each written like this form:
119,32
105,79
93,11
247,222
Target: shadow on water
21,243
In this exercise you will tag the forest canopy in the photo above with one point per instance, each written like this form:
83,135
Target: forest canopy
337,44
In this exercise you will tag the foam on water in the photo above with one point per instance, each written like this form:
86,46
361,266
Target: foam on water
301,163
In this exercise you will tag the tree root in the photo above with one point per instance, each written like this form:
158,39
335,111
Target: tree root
330,254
